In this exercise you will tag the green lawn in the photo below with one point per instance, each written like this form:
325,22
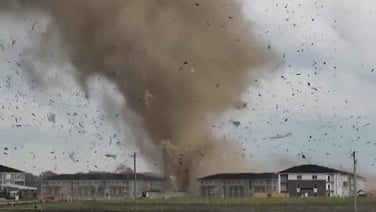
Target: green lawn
200,204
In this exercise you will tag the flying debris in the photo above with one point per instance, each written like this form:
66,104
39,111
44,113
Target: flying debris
236,123
366,125
165,100
51,117
110,156
241,105
303,155
280,136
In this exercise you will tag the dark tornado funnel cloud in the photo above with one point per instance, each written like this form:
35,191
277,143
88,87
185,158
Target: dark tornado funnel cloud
177,63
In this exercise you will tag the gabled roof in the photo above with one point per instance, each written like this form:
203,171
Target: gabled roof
104,176
228,176
310,168
8,169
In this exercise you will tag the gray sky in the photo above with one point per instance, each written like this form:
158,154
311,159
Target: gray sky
320,99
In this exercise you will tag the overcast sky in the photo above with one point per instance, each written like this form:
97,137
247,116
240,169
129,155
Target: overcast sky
317,107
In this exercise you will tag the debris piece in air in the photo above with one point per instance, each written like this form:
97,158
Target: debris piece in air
51,117
303,156
279,136
147,97
236,123
366,125
110,156
240,105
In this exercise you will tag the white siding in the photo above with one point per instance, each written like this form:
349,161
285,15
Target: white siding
307,176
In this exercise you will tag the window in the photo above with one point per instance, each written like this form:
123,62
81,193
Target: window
298,185
314,177
329,178
315,186
19,177
7,176
250,185
299,177
328,187
345,183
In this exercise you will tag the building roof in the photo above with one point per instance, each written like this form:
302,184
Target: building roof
311,168
104,176
228,176
8,169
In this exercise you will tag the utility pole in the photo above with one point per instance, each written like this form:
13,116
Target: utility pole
134,181
355,177
134,176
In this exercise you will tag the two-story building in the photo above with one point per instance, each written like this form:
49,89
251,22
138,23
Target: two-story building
12,183
239,185
314,180
99,186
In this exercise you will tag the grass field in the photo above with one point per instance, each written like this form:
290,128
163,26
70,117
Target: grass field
199,204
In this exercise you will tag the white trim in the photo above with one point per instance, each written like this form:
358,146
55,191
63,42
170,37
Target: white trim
21,187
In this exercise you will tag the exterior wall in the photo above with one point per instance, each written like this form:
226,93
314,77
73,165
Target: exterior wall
361,184
323,181
308,176
283,183
343,185
96,189
143,186
238,187
335,184
307,188
17,178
